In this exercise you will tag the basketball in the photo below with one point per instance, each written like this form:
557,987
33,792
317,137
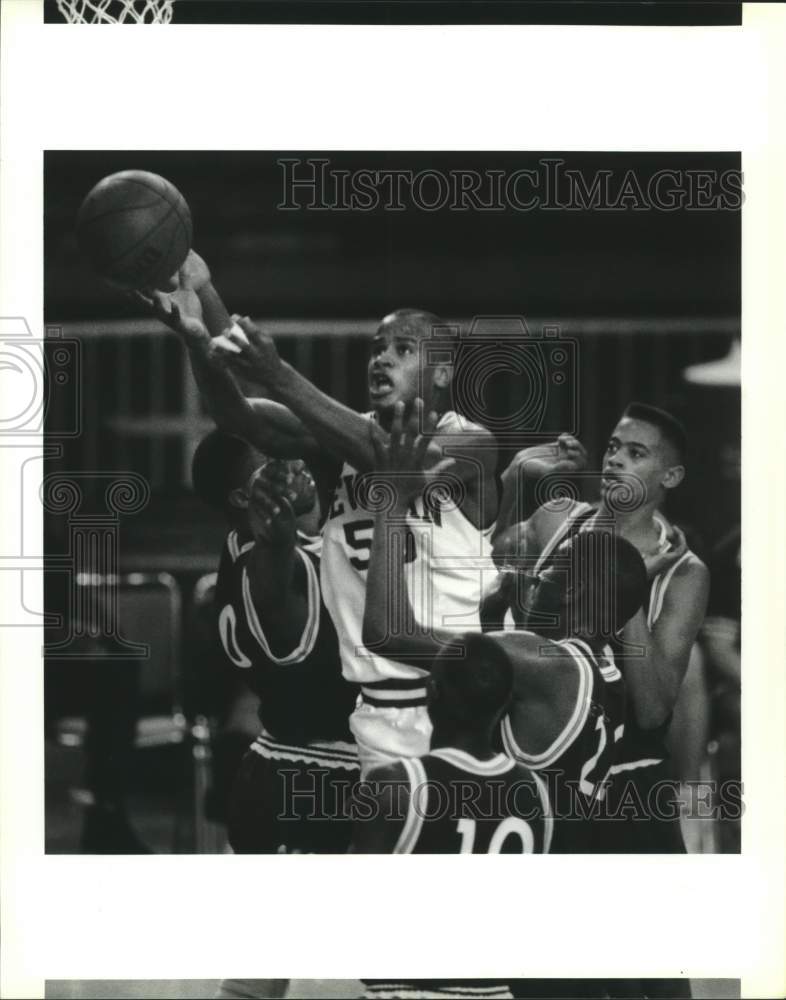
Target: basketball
135,229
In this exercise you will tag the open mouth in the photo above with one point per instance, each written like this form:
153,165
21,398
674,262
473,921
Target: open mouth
379,383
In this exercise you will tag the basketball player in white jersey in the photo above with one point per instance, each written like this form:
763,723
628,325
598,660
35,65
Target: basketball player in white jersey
410,356
644,461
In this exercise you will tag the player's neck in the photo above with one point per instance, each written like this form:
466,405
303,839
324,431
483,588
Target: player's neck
636,526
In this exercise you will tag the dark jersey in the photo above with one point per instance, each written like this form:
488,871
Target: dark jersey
581,761
303,697
461,805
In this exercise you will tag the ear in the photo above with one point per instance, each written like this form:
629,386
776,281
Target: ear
673,477
238,498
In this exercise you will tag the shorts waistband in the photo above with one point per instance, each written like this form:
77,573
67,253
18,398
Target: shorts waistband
397,692
330,754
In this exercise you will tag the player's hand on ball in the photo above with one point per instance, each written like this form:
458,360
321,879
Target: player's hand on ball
194,273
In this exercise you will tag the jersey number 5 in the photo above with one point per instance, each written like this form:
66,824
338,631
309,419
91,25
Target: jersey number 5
358,536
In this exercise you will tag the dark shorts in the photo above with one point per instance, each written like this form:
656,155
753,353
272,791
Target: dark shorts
282,803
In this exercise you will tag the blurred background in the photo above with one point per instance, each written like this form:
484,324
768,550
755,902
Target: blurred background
648,300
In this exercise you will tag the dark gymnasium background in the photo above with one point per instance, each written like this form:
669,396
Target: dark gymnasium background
640,295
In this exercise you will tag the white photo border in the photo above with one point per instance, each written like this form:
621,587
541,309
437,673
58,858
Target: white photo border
351,87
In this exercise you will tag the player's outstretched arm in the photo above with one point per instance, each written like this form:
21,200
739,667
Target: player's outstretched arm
194,310
390,627
341,430
527,468
653,680
276,575
379,810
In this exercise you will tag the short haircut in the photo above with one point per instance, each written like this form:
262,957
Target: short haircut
477,688
218,467
671,429
612,569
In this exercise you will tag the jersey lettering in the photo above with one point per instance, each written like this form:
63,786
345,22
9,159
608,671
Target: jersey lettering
509,827
599,760
359,535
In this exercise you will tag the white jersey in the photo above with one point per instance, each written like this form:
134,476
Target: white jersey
447,561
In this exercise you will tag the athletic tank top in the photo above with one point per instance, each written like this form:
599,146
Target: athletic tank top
302,695
448,560
461,805
580,764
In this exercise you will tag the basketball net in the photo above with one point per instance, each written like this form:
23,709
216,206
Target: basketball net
115,11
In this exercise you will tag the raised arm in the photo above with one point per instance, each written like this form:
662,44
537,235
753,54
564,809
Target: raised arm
345,432
195,312
653,680
528,467
389,624
277,575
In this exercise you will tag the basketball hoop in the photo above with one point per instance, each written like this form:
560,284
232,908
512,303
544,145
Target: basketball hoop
116,11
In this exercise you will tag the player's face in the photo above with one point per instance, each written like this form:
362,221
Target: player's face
394,369
635,464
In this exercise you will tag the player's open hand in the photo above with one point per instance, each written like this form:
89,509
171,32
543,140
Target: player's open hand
249,349
181,311
401,458
271,512
567,454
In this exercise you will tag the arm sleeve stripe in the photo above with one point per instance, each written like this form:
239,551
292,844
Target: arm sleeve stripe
310,630
415,811
573,726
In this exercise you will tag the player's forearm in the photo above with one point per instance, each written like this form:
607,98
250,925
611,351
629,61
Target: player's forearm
518,501
221,395
272,573
390,627
214,313
335,426
653,678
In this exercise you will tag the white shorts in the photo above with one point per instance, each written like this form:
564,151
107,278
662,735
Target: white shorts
384,734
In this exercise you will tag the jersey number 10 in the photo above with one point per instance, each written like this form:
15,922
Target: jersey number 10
512,826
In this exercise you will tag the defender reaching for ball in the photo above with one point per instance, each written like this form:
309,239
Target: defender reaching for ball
448,543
